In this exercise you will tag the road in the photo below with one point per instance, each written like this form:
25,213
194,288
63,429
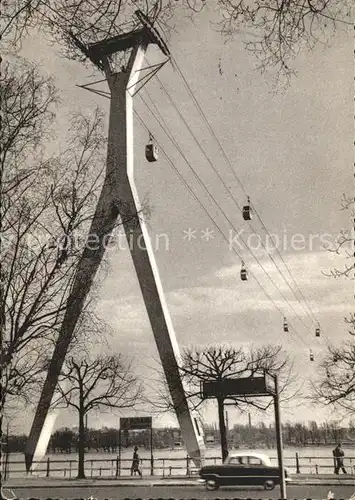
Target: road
188,492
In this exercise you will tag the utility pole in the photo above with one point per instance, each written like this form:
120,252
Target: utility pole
119,198
222,428
279,439
4,370
151,452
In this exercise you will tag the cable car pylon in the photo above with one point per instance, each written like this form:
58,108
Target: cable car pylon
119,198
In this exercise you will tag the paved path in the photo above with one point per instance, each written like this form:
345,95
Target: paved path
50,482
183,492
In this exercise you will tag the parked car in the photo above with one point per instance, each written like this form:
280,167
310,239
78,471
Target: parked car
241,469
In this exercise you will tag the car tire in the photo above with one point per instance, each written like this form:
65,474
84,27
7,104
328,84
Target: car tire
212,485
269,485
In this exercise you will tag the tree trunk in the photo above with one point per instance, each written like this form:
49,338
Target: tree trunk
1,442
81,445
222,429
4,366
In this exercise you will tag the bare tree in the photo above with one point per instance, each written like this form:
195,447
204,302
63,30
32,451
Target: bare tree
344,243
27,101
46,204
336,385
279,29
337,379
97,383
219,363
282,28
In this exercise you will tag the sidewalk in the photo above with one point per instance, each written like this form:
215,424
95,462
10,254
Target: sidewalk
51,482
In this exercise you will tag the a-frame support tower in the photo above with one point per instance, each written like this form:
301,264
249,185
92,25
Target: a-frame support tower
119,198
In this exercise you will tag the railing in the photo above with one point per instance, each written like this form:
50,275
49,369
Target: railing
316,465
164,467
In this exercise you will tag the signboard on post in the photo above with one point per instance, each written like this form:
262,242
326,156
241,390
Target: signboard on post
135,423
247,386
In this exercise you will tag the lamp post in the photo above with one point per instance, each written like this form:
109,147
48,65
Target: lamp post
279,439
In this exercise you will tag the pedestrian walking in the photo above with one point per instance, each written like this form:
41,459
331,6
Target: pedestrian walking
135,463
338,455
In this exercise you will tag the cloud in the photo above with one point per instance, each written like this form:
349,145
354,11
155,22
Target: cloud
224,303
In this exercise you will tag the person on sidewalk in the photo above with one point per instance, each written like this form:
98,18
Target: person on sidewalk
338,455
135,463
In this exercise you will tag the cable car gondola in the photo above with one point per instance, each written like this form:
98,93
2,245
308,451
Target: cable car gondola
318,331
285,325
151,150
247,211
243,273
311,356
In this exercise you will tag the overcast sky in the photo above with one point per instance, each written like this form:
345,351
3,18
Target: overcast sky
292,152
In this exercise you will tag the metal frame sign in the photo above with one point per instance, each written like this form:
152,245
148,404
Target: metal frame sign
135,423
247,386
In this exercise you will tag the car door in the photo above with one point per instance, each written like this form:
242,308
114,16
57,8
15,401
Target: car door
256,471
248,471
234,471
263,472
